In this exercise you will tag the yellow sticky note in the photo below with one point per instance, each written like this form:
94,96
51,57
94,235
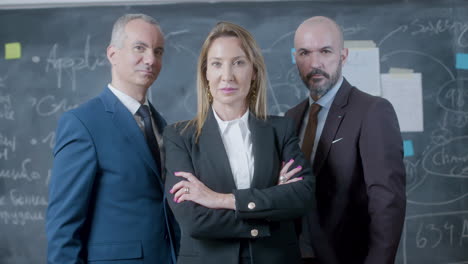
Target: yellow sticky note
12,50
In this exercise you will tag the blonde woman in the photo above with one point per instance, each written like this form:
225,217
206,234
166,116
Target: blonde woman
236,177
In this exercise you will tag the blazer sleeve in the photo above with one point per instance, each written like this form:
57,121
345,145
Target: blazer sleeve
281,202
198,221
381,149
73,173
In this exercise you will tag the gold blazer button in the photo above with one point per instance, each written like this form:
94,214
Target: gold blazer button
254,232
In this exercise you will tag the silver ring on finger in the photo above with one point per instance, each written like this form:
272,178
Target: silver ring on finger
282,179
186,190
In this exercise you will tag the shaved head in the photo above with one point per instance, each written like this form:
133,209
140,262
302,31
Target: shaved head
323,22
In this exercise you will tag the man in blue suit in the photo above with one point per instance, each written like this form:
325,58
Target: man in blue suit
106,195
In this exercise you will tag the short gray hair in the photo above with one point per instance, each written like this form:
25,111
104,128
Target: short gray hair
118,31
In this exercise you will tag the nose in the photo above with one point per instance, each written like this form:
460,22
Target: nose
315,60
227,74
149,58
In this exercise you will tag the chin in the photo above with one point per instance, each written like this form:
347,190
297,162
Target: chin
146,82
230,101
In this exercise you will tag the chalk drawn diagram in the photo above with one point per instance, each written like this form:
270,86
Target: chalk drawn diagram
443,163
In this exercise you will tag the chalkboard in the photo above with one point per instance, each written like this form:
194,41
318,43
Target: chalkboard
62,64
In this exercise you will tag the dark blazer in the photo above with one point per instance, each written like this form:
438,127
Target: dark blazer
267,228
360,174
106,196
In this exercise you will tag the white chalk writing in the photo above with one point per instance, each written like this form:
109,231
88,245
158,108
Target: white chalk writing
6,111
18,199
441,26
20,217
71,65
22,174
49,105
8,142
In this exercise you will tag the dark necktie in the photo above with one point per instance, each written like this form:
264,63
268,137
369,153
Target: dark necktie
309,135
144,113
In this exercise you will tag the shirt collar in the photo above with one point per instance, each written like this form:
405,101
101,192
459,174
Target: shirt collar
129,102
223,125
326,100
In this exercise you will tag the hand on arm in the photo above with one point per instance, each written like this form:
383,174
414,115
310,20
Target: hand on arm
282,201
285,175
192,189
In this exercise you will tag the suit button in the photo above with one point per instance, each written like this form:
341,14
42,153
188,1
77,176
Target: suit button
254,232
251,205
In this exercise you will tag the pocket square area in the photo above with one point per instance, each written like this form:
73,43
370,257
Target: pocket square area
336,140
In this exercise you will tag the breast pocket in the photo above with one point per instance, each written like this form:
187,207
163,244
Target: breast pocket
125,252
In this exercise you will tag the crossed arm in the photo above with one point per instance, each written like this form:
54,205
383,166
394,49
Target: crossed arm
203,210
192,189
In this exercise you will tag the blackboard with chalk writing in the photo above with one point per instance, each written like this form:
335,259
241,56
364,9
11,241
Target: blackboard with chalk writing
54,59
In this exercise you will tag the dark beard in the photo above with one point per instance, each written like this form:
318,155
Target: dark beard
318,91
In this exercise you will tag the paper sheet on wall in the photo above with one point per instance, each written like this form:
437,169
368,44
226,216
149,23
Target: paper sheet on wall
404,91
362,69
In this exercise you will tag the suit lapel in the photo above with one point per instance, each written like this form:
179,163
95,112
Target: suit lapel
263,150
213,145
334,119
127,126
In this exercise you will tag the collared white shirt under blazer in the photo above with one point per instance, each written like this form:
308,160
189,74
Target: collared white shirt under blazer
237,142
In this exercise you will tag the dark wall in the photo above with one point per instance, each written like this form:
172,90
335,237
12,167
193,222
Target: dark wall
63,64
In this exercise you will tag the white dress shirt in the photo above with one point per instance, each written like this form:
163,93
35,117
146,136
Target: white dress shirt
325,102
238,145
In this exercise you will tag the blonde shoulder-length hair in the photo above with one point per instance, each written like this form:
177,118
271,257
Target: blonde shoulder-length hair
256,98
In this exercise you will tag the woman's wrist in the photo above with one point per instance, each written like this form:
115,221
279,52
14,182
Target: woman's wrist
227,201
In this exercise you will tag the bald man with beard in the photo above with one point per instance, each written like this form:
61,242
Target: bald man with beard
354,144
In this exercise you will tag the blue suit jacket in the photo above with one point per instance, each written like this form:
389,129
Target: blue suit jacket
106,196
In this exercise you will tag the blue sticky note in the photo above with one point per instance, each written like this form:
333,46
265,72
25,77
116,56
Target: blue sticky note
292,55
408,148
462,61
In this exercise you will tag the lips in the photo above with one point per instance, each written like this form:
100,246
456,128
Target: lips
147,72
228,89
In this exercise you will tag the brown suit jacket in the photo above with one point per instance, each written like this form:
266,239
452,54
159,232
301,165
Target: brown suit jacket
360,174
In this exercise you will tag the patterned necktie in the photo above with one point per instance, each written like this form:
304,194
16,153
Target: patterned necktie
144,113
309,135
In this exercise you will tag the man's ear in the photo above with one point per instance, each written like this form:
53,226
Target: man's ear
344,55
111,52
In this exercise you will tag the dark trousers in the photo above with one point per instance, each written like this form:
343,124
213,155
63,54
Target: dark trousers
310,261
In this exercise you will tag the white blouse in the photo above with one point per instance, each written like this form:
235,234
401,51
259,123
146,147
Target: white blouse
238,145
